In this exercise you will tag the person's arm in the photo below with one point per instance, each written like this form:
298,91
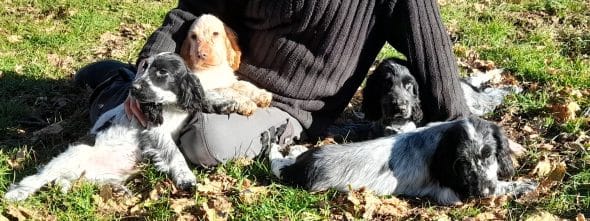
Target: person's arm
415,28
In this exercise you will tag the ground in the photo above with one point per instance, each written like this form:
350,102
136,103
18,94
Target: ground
543,45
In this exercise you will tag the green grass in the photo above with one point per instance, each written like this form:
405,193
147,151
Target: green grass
545,44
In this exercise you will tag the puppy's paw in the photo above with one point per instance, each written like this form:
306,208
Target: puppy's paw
263,98
226,107
187,182
246,108
524,187
64,185
446,196
17,194
187,186
296,150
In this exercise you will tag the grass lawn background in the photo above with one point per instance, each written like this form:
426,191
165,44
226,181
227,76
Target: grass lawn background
543,44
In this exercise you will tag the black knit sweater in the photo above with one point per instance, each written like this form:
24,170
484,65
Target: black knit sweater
314,54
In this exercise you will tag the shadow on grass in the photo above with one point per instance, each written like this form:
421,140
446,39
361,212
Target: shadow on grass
30,104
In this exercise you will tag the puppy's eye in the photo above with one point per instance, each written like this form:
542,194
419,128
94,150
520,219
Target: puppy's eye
486,152
194,36
215,34
144,66
161,73
410,88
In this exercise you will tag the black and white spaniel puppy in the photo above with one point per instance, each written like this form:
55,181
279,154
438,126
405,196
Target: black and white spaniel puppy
168,94
447,161
391,97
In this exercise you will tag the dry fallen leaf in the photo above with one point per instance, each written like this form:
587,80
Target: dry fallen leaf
14,38
216,184
547,146
18,69
252,194
217,208
564,111
186,217
325,141
393,207
543,167
365,204
542,216
21,213
178,205
552,179
16,161
580,217
58,61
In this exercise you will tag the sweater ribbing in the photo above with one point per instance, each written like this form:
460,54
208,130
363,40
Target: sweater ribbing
313,54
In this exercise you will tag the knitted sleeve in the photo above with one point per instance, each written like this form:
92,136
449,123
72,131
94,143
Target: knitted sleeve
415,29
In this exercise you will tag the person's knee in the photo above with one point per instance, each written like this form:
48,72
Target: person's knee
205,145
95,73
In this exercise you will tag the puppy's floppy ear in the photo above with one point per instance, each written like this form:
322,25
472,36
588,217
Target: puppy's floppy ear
503,153
417,114
185,51
191,93
373,92
233,49
445,158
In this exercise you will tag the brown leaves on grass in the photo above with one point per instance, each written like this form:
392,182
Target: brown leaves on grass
564,111
22,213
216,184
552,179
217,208
117,44
215,188
362,203
61,62
544,167
15,162
542,216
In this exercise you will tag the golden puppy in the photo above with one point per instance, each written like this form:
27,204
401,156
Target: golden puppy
211,51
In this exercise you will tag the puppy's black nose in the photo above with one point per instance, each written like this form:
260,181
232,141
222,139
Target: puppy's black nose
202,55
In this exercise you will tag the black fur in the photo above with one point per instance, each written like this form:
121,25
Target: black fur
299,174
451,164
153,114
170,73
390,92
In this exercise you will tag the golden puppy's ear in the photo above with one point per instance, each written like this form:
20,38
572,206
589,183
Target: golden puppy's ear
233,49
185,52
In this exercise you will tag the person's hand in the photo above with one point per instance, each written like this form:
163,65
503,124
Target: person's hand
132,106
133,110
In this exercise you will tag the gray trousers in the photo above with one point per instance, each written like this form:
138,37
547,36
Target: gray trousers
208,139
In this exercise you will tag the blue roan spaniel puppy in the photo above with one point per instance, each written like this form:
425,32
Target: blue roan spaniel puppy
447,161
169,94
391,97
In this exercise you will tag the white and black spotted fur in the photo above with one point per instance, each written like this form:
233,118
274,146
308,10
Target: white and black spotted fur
447,161
169,94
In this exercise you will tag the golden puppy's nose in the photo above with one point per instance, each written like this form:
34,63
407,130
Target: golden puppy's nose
201,55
